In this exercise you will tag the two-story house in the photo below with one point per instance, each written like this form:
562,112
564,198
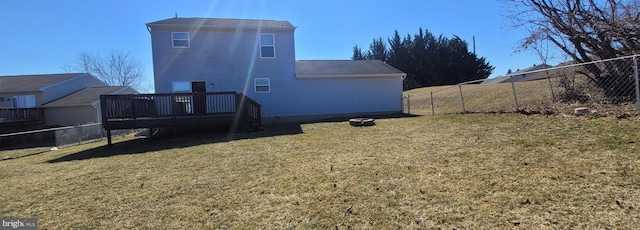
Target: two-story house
257,59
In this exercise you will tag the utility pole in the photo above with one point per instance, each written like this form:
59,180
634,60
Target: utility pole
474,44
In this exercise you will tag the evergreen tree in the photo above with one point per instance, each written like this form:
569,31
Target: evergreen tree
378,50
400,59
357,53
429,61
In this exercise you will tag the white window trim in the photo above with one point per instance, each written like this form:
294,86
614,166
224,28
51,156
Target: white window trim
273,36
188,40
255,85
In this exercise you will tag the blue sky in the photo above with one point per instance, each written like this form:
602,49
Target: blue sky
41,36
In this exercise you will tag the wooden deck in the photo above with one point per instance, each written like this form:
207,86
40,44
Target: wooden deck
178,109
20,116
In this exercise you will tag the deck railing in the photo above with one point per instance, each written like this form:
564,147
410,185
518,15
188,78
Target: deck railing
21,115
173,105
250,110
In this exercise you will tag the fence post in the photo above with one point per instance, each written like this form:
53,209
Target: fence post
55,136
433,111
78,130
408,104
635,75
553,96
462,98
515,98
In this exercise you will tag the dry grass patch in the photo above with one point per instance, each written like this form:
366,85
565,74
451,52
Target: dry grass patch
458,171
534,96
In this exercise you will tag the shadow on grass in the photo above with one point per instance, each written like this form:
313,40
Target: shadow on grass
25,142
22,156
190,138
389,116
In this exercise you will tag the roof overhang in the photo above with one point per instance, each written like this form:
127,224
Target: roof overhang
205,27
19,92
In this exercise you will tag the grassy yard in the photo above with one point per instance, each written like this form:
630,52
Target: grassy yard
454,171
533,96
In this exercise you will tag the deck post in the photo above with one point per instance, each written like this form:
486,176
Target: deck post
109,137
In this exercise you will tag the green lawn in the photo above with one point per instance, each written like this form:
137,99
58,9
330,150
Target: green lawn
453,171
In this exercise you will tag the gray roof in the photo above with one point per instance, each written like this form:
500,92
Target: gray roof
529,74
86,96
345,68
32,83
223,23
495,80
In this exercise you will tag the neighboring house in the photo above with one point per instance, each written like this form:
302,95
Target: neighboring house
30,91
529,74
31,101
257,59
81,107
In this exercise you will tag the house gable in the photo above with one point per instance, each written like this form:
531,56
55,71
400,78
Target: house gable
88,96
44,87
63,88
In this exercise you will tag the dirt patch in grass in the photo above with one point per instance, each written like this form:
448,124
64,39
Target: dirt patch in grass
455,171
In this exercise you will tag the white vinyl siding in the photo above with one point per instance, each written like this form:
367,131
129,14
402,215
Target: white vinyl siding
267,46
180,39
262,85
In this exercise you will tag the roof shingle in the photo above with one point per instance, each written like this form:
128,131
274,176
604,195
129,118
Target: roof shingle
85,96
328,68
31,83
222,23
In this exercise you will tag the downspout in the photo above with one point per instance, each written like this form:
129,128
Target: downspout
96,105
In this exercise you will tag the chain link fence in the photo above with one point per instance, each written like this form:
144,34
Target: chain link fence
78,134
608,87
56,137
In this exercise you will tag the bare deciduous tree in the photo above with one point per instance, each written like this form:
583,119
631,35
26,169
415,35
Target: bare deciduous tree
117,68
586,31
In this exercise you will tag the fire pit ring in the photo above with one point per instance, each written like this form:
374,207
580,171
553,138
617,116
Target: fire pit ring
362,121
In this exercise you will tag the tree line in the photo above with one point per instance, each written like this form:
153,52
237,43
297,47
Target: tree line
428,60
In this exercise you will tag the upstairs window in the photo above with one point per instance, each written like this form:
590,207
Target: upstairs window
263,85
180,39
267,46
